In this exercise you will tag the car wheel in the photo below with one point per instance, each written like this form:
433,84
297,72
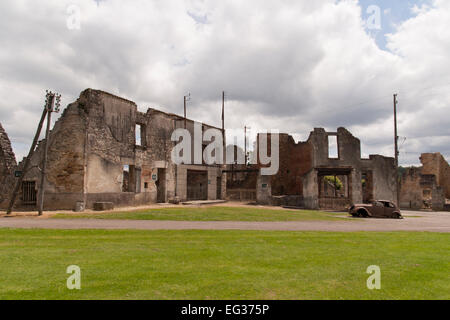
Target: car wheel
397,215
362,213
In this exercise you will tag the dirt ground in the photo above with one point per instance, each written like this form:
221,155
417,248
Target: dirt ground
414,221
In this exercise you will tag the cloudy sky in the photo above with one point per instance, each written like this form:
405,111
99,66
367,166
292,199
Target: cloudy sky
286,65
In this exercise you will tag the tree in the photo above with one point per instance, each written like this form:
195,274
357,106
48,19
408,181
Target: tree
335,181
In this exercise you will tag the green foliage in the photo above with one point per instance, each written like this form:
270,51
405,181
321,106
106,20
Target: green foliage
401,170
334,181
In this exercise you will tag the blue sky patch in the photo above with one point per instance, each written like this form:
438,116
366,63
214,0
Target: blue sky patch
392,13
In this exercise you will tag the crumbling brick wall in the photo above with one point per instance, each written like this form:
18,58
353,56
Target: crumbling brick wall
295,160
7,165
349,160
435,163
303,165
428,186
64,181
411,194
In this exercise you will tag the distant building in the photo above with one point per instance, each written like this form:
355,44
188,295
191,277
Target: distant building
428,186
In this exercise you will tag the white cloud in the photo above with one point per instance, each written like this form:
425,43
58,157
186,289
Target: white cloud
284,64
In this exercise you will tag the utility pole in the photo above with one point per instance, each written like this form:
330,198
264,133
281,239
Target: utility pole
223,111
245,144
186,99
50,108
50,98
223,127
396,150
26,163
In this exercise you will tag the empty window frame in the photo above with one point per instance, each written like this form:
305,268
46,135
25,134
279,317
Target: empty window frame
126,178
131,179
137,180
140,133
333,148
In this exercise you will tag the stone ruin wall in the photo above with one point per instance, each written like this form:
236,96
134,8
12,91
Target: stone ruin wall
426,187
66,160
297,183
295,161
435,163
7,166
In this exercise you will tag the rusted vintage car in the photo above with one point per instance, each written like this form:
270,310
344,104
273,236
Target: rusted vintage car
377,209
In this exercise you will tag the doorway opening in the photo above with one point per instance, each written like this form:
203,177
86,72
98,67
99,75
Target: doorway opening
161,186
197,185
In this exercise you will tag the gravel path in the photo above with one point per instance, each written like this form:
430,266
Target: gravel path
432,222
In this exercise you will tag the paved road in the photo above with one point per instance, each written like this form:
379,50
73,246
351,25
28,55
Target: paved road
432,222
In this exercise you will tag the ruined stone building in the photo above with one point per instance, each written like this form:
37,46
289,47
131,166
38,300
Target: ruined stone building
428,186
7,165
308,174
102,149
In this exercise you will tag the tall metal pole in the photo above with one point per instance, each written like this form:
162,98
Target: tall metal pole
44,164
223,111
223,128
27,162
396,150
185,112
245,144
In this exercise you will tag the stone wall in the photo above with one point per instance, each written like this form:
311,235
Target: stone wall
94,155
241,182
64,181
435,163
426,187
7,166
295,161
348,163
411,194
303,166
383,177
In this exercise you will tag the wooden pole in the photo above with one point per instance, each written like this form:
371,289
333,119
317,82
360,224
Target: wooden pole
44,164
27,162
245,144
223,111
223,128
396,150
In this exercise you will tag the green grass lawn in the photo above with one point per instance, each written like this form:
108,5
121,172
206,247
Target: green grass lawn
213,213
222,264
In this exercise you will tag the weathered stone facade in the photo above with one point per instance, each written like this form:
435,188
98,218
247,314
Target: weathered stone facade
301,182
435,164
95,156
7,164
426,187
